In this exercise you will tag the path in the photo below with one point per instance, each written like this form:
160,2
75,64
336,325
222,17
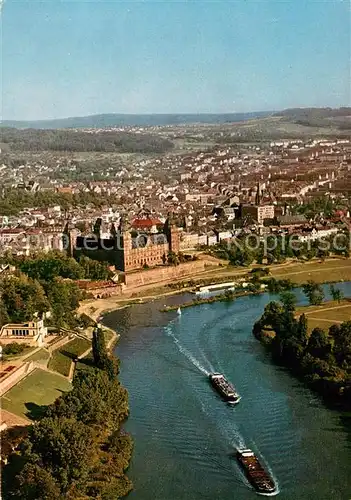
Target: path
73,363
45,368
332,321
322,309
315,270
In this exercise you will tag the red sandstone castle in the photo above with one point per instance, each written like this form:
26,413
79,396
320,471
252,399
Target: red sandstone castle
127,249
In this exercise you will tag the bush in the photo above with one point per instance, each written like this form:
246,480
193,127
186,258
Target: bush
14,348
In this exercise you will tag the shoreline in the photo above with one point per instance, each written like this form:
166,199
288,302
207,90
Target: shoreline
96,309
332,389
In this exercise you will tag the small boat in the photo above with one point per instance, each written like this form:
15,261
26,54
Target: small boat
215,287
258,477
224,388
179,311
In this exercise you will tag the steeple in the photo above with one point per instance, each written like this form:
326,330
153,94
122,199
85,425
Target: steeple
124,225
258,194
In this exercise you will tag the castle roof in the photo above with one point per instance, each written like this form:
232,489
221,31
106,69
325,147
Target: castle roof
146,223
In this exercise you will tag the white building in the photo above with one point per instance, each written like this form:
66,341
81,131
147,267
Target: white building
32,332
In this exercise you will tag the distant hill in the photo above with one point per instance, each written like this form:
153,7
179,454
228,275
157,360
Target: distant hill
319,117
121,120
314,112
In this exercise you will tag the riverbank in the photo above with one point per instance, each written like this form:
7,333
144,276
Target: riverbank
319,354
329,271
227,296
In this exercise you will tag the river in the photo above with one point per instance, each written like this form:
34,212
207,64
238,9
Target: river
185,435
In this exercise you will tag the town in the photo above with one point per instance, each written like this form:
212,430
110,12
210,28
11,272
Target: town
177,210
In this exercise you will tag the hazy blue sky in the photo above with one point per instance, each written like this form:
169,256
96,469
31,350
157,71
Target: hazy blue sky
69,58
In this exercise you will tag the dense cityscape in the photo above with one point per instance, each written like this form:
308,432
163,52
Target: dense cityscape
83,231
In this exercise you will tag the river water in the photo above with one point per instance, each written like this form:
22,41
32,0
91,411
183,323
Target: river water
185,435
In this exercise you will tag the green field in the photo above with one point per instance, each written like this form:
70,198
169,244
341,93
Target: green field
30,394
327,314
108,334
62,358
41,356
322,272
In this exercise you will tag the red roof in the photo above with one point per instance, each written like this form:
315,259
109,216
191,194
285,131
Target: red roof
146,223
15,230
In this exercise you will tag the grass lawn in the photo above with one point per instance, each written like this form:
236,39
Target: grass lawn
328,271
38,389
326,314
40,356
108,335
86,363
62,358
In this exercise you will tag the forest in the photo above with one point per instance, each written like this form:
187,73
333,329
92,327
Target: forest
13,201
46,283
76,140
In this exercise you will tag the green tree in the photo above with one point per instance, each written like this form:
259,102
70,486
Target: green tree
63,448
64,299
336,293
314,292
319,344
302,330
288,299
21,298
35,482
4,316
49,266
172,259
93,269
99,348
96,399
342,344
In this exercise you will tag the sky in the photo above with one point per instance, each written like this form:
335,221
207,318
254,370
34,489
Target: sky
77,58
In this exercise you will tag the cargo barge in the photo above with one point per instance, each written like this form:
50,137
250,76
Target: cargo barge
224,388
258,477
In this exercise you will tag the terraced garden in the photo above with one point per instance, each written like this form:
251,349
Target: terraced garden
62,358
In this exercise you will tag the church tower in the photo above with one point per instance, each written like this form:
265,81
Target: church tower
258,195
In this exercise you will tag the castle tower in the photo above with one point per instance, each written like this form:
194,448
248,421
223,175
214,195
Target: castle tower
123,242
98,227
69,238
172,234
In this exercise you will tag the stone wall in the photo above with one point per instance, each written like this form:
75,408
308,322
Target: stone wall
7,383
106,291
166,273
59,343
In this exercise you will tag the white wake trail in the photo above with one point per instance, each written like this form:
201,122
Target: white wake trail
186,353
